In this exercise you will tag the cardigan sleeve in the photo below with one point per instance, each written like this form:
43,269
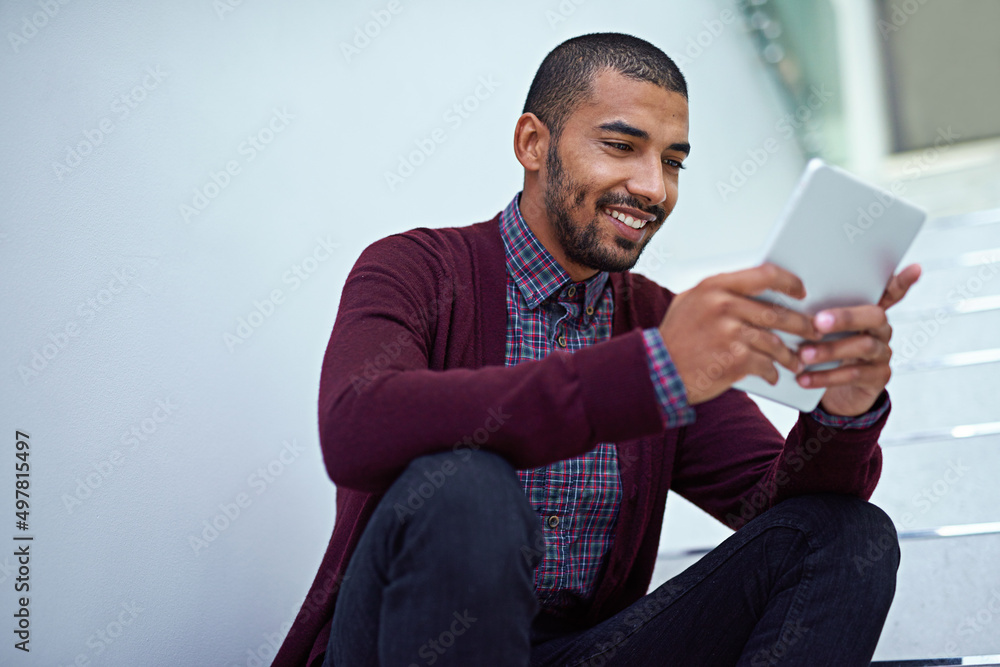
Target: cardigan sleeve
734,464
382,401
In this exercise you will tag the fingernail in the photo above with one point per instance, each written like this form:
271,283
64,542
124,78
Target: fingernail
824,320
804,380
808,354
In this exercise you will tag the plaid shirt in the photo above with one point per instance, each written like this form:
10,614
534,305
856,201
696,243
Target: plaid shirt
577,499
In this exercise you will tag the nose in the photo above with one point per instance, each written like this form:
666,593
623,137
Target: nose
647,181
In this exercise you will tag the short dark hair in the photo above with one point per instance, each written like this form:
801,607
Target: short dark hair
563,80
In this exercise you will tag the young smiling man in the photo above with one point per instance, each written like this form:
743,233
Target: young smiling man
504,406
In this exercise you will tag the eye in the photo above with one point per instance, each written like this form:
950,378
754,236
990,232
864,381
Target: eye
676,164
617,145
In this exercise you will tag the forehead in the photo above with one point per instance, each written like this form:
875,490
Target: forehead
660,112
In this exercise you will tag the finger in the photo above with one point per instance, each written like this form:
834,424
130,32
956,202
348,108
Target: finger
883,333
751,282
762,366
875,376
899,285
855,318
750,361
770,345
763,315
863,346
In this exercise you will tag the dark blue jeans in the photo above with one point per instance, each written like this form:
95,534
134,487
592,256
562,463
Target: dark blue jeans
443,575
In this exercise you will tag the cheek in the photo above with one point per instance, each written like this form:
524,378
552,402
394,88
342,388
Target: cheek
598,172
671,191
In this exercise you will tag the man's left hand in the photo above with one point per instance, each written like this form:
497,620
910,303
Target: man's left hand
854,386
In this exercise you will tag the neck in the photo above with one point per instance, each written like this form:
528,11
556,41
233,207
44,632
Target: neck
537,217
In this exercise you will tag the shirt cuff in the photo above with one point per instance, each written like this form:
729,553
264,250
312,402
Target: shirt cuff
861,421
674,408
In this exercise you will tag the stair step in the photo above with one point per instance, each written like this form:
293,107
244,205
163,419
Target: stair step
936,483
944,398
947,599
986,660
932,342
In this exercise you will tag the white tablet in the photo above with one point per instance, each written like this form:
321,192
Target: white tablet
844,239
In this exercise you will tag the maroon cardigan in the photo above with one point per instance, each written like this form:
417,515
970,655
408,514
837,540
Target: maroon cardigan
415,364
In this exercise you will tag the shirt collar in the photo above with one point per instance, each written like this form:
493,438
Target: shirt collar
536,272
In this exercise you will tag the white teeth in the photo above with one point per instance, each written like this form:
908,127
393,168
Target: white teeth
627,219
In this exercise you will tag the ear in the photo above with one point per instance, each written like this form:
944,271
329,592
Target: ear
531,142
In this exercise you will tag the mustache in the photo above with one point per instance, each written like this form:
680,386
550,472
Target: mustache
611,199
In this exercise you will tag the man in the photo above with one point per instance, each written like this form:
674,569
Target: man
504,406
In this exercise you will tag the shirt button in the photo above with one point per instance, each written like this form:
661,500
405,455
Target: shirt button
572,290
590,310
562,341
553,521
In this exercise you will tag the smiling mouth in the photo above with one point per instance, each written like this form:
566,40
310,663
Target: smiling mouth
628,220
627,227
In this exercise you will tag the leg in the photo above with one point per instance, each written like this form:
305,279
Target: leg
808,582
439,574
851,571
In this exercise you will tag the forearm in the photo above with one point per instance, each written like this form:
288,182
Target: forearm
819,458
735,465
533,413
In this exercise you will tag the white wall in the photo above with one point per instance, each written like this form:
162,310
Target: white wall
67,232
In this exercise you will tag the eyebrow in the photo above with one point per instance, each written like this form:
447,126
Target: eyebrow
621,127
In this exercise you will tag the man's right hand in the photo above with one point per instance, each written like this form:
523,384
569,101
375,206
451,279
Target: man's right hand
716,334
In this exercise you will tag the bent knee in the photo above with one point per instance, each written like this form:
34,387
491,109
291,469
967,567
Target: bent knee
464,490
842,519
